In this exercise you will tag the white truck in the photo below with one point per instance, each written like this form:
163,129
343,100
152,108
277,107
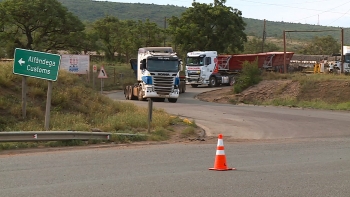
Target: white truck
335,66
157,74
201,69
346,64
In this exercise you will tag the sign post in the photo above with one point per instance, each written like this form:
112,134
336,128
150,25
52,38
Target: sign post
24,97
48,106
150,109
39,65
94,69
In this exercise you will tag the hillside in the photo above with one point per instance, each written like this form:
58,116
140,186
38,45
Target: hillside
318,91
90,11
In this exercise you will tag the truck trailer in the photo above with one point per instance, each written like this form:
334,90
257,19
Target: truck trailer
209,68
157,73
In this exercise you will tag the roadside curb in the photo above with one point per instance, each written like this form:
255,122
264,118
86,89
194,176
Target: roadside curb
196,96
74,148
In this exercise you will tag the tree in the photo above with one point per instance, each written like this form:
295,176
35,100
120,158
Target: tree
255,46
125,37
326,45
109,30
42,25
131,38
152,35
211,26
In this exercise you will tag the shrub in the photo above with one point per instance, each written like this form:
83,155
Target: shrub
250,75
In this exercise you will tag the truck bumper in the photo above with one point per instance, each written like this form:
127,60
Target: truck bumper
197,81
174,94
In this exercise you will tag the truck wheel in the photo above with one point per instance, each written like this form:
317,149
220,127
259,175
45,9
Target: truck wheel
131,97
126,92
139,95
232,81
172,100
194,85
213,82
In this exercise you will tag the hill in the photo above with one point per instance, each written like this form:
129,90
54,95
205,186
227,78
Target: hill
90,11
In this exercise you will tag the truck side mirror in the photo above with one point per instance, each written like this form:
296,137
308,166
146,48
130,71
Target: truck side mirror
143,64
180,66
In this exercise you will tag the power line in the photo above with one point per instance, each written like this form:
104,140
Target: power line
338,18
326,11
300,8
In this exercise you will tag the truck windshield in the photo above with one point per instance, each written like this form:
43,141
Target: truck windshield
163,65
195,61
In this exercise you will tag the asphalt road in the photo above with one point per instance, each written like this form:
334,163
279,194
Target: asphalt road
254,122
313,168
314,159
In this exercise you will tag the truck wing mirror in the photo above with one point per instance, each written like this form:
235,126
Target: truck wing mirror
143,64
180,66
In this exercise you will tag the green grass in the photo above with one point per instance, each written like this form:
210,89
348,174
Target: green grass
119,75
75,106
19,145
159,134
314,104
188,132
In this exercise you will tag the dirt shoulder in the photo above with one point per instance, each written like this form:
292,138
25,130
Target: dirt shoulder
332,91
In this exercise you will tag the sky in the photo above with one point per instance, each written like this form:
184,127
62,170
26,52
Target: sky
315,12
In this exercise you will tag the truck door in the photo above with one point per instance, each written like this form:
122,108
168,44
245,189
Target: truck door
209,64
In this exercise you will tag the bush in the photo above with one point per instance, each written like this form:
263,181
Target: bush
250,75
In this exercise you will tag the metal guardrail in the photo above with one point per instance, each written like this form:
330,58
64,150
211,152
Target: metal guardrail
29,136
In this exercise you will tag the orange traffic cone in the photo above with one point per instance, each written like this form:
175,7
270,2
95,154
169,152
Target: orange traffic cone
220,159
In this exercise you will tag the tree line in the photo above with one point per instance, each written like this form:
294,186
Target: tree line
48,26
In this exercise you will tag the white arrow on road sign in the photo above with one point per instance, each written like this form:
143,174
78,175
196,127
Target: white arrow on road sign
20,61
35,136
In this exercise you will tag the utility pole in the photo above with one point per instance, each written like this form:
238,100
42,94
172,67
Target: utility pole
342,50
284,50
263,37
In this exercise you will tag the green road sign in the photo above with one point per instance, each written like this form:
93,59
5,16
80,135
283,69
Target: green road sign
36,64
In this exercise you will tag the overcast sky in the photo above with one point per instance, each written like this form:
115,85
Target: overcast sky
322,12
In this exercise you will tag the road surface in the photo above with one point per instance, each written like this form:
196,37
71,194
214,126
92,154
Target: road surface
313,161
313,168
254,122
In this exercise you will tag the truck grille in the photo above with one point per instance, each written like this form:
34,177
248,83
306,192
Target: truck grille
163,84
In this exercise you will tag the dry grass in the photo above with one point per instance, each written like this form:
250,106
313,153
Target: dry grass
75,106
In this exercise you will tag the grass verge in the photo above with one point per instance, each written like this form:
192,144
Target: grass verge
74,106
